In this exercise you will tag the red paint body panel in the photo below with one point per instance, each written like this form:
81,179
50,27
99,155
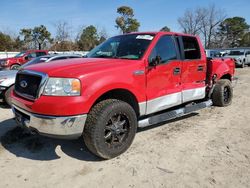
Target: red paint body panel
192,78
97,77
101,75
161,80
220,67
21,60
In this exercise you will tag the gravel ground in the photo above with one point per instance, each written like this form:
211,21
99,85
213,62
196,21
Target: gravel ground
210,148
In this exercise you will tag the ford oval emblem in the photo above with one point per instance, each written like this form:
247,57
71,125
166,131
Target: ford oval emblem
23,84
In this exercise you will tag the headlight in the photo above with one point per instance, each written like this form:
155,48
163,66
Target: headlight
62,87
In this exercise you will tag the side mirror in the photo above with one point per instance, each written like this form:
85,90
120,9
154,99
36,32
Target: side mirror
155,61
26,57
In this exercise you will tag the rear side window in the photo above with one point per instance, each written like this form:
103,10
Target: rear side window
165,49
191,48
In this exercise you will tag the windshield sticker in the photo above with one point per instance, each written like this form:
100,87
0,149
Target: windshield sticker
145,37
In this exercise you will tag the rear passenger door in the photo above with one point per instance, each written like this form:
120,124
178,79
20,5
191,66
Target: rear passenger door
193,70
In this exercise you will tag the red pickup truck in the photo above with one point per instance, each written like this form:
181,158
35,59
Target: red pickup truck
15,62
129,81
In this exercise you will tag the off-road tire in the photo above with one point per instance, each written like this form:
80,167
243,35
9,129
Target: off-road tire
222,93
7,98
97,121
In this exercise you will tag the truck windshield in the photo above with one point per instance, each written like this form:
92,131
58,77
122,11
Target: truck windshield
20,54
132,46
236,52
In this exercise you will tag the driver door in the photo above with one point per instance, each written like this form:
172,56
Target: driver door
164,78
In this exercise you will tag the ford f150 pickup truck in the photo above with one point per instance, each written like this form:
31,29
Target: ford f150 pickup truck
129,81
15,62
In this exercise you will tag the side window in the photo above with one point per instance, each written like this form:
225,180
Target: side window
248,53
191,48
40,54
32,55
164,49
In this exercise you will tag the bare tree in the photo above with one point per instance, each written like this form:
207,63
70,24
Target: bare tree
202,21
191,21
209,24
63,36
62,31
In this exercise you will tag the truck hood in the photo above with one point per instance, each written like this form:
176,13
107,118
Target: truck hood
80,66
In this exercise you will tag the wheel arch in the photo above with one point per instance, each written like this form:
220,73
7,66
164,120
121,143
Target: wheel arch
123,95
226,76
16,63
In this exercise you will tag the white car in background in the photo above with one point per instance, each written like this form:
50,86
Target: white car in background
241,56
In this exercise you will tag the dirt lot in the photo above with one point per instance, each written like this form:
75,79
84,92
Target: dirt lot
207,149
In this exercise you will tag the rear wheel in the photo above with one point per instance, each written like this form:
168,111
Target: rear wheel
7,98
110,128
222,93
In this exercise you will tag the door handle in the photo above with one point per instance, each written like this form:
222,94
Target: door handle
200,68
177,71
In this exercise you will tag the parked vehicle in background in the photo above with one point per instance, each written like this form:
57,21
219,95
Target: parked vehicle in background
241,56
7,78
129,81
213,53
15,62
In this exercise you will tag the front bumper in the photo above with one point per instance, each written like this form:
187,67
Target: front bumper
67,127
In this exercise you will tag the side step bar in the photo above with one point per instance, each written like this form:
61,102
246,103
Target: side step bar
174,114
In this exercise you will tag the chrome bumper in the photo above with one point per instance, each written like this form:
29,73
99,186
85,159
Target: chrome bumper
68,127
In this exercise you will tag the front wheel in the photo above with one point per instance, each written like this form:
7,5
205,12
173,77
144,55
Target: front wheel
15,67
110,128
222,93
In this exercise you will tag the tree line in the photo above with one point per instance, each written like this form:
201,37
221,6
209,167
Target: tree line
215,29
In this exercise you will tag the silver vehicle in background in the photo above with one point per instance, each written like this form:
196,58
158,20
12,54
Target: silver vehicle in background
241,56
7,78
211,53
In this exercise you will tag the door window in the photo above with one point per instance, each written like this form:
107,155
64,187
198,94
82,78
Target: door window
164,50
191,48
32,55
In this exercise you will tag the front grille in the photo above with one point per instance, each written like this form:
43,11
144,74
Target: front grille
28,84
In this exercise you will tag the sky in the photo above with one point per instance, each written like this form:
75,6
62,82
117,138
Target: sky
152,14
